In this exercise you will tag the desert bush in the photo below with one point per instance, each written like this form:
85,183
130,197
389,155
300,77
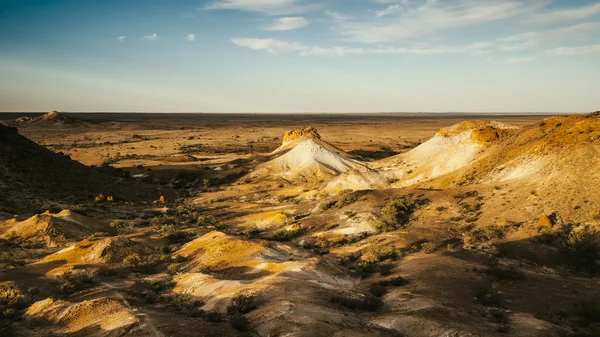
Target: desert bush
242,303
397,281
377,290
207,221
12,259
502,273
487,294
483,235
428,247
214,317
180,237
120,227
166,230
350,198
580,249
286,234
183,304
12,300
327,205
251,232
397,214
74,280
239,322
144,263
175,268
362,303
587,311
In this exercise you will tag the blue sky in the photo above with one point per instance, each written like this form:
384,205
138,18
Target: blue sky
300,55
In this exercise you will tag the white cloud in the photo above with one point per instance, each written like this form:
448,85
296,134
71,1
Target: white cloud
432,16
278,46
152,37
388,10
271,7
121,38
191,37
533,39
513,60
583,50
571,14
288,23
338,16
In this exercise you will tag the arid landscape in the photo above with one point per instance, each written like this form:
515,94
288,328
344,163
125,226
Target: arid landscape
415,225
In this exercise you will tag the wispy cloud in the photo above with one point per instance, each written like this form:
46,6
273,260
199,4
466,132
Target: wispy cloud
432,16
271,7
191,37
288,23
513,60
565,15
529,40
121,38
583,50
388,10
338,16
279,46
152,37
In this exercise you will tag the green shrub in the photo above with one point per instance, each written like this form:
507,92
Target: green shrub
242,303
363,303
428,247
487,294
74,280
397,214
483,235
396,281
143,263
588,311
12,300
251,232
377,290
327,205
286,234
121,227
239,322
581,250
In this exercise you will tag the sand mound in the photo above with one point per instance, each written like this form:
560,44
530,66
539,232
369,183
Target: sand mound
219,251
54,229
32,175
95,252
98,317
305,156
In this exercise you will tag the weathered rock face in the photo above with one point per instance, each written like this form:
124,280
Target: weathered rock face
294,135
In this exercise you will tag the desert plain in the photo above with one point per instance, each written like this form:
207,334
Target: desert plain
299,224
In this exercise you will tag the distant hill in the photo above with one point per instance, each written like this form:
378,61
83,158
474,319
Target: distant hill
51,118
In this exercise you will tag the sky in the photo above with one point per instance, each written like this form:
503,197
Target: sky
300,55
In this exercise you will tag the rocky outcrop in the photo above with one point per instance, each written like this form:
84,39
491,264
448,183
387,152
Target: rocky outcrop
295,135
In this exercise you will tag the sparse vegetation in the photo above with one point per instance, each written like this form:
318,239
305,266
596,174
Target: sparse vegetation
242,303
357,302
144,263
76,279
487,294
397,214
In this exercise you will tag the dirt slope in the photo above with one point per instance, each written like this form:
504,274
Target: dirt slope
31,175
